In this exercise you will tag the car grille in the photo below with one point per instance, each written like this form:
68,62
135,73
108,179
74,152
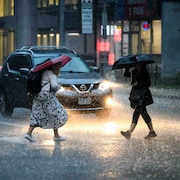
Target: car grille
73,104
80,88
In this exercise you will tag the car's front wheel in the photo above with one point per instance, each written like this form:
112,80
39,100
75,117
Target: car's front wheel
104,113
5,109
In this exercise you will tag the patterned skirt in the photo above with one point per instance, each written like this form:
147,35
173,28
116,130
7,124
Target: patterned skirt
47,111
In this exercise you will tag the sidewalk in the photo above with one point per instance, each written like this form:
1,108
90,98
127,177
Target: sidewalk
166,93
159,92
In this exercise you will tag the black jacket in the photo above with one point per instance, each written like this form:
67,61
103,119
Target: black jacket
142,78
140,94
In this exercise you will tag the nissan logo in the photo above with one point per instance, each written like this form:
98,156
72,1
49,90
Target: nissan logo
83,87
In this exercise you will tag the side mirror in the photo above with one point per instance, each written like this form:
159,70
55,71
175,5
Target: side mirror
24,71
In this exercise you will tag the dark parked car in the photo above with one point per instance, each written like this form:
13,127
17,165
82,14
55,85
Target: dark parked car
82,89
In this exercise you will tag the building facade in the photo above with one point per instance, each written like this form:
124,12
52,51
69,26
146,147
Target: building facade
119,28
42,22
170,58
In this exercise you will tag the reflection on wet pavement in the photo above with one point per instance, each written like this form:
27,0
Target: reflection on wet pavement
94,148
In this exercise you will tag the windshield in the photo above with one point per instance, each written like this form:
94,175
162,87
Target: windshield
75,65
42,58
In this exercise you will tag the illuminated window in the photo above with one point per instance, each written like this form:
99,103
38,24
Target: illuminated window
57,39
6,43
7,8
51,2
71,4
44,38
71,1
156,46
39,3
38,39
56,2
46,3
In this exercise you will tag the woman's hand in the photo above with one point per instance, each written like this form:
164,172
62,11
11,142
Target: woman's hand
134,84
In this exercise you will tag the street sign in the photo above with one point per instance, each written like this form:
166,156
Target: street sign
87,16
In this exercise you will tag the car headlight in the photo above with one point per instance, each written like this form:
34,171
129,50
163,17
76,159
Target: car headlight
109,101
104,85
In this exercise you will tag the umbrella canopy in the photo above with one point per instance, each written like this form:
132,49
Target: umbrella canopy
124,62
144,58
131,61
60,59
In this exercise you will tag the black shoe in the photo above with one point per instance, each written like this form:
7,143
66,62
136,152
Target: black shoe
151,134
126,134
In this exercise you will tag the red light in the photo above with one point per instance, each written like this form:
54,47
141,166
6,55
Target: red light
111,57
146,25
103,46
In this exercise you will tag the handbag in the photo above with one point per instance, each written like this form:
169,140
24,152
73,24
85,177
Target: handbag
140,96
136,95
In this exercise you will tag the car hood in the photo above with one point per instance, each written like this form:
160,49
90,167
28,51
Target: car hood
80,78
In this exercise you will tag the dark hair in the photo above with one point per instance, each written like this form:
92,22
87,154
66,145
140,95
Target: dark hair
56,68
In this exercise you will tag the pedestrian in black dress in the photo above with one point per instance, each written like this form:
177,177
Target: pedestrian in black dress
140,97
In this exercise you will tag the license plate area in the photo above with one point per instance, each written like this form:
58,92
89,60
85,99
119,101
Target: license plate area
84,100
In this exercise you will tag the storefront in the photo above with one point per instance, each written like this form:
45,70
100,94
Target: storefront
136,30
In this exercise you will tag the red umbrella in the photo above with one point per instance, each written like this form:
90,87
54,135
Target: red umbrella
62,59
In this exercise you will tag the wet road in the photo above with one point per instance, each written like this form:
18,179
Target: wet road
94,148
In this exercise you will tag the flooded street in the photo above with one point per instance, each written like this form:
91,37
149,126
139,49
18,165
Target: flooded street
94,148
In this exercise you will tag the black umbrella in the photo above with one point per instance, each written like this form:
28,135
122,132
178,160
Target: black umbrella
144,58
124,62
131,61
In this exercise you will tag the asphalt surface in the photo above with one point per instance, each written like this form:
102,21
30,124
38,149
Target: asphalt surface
94,148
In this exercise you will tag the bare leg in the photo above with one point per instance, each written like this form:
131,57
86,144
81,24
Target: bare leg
152,133
57,137
30,130
132,127
150,126
56,133
28,135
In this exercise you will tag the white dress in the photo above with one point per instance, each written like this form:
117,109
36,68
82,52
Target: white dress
47,111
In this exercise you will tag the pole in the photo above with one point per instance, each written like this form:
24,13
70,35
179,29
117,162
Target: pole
104,21
61,23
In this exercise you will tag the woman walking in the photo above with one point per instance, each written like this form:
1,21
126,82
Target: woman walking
140,97
47,112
